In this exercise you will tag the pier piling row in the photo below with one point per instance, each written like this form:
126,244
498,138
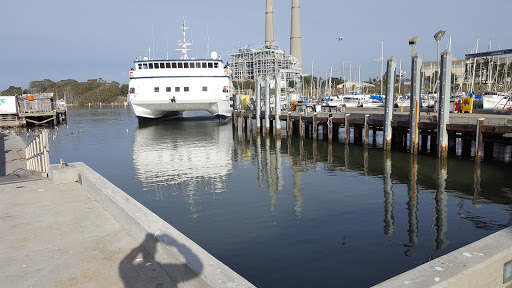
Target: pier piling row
327,126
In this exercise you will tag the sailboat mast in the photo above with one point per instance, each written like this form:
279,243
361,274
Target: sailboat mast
381,64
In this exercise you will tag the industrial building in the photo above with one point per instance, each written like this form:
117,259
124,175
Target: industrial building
269,59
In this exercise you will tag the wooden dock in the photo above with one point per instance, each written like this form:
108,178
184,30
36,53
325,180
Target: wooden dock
355,126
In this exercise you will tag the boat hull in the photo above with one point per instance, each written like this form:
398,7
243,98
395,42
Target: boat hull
164,109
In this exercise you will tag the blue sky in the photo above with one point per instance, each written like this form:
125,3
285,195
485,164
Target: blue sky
100,39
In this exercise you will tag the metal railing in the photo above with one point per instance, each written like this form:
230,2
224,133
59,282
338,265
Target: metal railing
37,153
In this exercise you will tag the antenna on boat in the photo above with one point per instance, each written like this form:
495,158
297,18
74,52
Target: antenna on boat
153,39
184,43
167,39
208,41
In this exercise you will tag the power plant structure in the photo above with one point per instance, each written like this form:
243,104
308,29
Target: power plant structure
269,60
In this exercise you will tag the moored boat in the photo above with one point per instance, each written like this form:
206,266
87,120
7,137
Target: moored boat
167,88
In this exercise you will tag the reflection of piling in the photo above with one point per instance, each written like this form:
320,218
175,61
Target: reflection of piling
389,219
390,95
258,106
415,102
477,180
443,117
441,201
412,204
365,160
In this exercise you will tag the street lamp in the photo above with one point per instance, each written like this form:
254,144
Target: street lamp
438,37
343,70
413,42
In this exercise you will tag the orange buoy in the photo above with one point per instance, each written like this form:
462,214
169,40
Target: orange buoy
30,97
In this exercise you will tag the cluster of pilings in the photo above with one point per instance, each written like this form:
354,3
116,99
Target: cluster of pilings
406,133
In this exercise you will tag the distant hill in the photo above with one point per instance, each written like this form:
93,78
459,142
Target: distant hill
76,93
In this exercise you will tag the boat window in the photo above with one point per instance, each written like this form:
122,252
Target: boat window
168,89
132,90
205,88
157,89
180,65
210,65
192,65
203,64
167,65
140,66
162,65
176,89
150,65
185,89
173,65
145,66
156,66
216,65
185,65
225,89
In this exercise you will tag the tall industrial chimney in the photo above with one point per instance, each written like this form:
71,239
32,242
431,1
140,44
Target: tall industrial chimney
269,24
295,39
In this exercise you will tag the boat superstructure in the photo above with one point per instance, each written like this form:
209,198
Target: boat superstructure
167,88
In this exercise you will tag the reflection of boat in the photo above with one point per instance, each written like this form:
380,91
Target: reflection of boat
187,152
165,88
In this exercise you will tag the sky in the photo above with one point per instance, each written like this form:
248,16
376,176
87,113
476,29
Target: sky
91,39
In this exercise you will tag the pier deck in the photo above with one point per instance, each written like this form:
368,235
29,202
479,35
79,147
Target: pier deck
59,236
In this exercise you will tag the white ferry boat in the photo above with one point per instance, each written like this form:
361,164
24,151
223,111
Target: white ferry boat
167,88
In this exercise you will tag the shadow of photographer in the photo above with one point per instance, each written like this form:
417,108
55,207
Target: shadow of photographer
139,268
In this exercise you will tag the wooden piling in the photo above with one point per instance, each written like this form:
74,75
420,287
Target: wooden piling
366,130
243,120
329,128
389,101
347,128
250,123
415,101
288,124
443,116
479,140
301,128
315,126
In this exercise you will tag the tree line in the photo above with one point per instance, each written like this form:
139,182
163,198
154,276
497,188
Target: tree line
75,93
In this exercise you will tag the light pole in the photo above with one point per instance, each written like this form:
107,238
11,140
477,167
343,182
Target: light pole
343,69
413,42
438,37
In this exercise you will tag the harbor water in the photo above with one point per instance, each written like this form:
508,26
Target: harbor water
292,212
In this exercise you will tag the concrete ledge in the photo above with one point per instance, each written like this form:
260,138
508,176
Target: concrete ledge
181,258
60,175
479,264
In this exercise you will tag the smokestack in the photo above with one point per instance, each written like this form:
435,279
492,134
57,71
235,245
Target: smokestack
269,24
295,39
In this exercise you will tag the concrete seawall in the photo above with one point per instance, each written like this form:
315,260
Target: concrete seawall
182,259
479,264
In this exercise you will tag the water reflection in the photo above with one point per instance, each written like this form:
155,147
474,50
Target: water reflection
389,219
169,154
412,205
441,211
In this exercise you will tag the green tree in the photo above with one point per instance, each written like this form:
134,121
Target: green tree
12,91
124,89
